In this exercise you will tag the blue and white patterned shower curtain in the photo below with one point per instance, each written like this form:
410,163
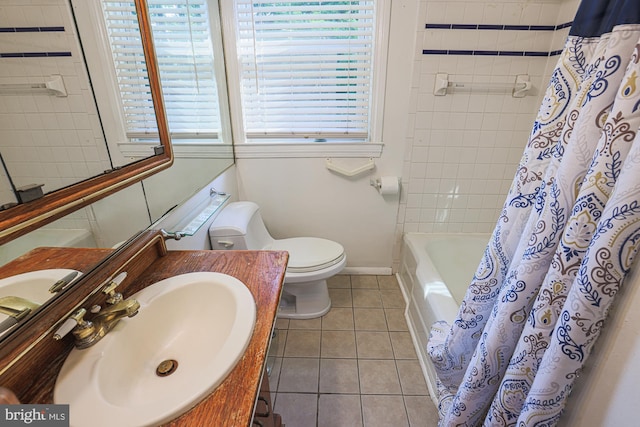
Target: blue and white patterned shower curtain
567,235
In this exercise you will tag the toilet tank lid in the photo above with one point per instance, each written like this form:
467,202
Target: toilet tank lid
233,220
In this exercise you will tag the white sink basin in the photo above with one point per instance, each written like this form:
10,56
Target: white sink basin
33,286
203,321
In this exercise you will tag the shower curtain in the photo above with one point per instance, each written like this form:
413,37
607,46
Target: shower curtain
566,237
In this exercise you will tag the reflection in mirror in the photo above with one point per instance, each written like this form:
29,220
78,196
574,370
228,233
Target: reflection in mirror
50,131
37,209
188,40
67,118
202,154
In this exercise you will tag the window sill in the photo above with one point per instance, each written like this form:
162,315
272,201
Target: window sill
180,150
307,150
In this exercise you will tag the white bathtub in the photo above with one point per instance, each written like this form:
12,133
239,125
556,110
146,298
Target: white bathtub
72,238
435,271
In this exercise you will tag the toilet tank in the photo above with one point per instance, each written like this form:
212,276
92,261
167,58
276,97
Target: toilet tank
239,226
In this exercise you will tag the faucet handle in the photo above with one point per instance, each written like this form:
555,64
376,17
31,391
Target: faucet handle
74,320
109,290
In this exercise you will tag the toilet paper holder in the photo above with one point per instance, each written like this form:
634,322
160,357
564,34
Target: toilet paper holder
375,183
386,185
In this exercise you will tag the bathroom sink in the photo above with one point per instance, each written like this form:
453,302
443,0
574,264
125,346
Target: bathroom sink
188,335
32,286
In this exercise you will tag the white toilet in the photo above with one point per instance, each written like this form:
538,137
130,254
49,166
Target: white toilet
311,260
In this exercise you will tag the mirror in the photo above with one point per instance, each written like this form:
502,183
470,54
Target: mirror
126,211
61,127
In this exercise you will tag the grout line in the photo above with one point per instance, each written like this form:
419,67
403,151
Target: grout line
317,393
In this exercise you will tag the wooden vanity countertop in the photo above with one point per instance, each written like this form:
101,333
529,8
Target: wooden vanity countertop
232,403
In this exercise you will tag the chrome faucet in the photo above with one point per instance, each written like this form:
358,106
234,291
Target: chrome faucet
89,332
16,308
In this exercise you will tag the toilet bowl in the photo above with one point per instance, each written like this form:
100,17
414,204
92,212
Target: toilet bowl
312,260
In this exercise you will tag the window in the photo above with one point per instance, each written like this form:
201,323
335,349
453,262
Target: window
298,71
306,69
185,54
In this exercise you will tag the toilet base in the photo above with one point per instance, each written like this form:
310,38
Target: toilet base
304,300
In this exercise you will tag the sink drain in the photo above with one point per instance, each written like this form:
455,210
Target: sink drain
166,367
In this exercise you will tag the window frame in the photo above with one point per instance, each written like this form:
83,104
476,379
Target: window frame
97,51
372,147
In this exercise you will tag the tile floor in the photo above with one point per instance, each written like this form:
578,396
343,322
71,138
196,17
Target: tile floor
355,366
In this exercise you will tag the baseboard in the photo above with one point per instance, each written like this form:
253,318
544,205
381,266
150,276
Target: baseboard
373,271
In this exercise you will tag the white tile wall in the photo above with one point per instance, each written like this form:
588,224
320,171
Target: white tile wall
462,149
47,139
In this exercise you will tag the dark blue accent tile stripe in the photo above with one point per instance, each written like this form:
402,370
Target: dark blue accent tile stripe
516,27
435,52
533,53
33,54
460,52
31,29
485,53
511,53
542,28
490,52
464,26
498,27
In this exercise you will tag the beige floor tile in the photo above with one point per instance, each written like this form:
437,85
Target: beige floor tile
384,411
373,345
395,319
402,344
338,319
411,378
392,298
339,410
302,343
340,297
297,410
278,342
338,344
364,282
282,323
355,366
378,377
366,298
299,375
274,375
369,319
421,411
339,281
310,324
388,282
339,376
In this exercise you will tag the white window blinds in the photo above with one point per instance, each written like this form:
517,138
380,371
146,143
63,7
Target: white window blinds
185,58
306,68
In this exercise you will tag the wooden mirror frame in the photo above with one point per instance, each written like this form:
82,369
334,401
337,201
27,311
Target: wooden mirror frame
23,218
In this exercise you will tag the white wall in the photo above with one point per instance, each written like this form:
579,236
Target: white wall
299,196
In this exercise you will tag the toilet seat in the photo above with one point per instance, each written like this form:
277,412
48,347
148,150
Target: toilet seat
312,260
309,254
